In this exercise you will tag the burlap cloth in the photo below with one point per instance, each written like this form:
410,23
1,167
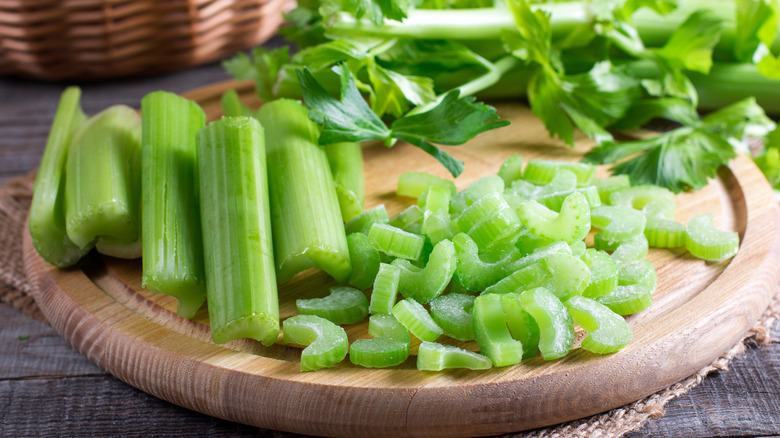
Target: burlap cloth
15,290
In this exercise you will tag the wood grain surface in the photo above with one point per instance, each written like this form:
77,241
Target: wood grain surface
701,310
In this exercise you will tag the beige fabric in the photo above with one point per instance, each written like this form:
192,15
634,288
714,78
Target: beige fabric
14,289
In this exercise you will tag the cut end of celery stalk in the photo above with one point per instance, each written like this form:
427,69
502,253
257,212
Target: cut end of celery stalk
188,291
257,326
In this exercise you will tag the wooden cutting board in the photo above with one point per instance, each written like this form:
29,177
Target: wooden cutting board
701,310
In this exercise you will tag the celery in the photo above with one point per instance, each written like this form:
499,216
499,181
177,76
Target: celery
395,241
344,305
364,259
413,184
489,221
628,299
521,324
637,197
436,198
346,165
385,289
438,226
511,169
172,241
571,224
436,357
640,272
556,329
326,343
103,179
477,190
234,208
529,277
632,249
492,334
607,186
607,331
416,319
618,224
570,275
363,222
708,243
233,107
307,224
407,218
120,250
389,347
425,284
452,312
47,212
603,273
543,171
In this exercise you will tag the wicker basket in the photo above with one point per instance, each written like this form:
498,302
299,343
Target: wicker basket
87,39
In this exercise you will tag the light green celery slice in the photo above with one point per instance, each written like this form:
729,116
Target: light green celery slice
556,329
640,272
326,343
554,201
607,331
171,229
237,236
570,225
603,273
389,347
618,224
427,283
436,199
476,212
634,248
489,221
385,289
521,324
637,197
413,184
410,216
436,357
120,250
492,334
47,211
308,229
537,255
628,299
707,243
474,273
659,209
578,248
364,259
665,233
363,222
543,171
476,191
438,226
452,312
103,178
527,241
563,181
395,241
457,288
344,305
233,107
529,277
346,165
606,186
570,275
511,169
416,319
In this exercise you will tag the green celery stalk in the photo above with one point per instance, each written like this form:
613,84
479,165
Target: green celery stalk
102,179
172,242
47,215
307,223
237,243
346,164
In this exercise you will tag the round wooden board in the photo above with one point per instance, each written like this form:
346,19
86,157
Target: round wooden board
700,311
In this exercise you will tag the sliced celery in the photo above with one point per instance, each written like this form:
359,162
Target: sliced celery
570,225
529,277
603,273
416,319
103,178
346,165
640,272
521,324
408,218
554,201
707,243
492,334
364,259
47,211
307,225
618,224
473,272
489,221
385,289
570,275
413,183
129,251
607,186
438,226
395,241
389,347
233,107
527,241
665,233
511,169
563,181
633,249
628,299
476,191
556,329
436,357
452,312
543,171
172,240
436,198
234,209
607,331
326,343
344,305
637,197
578,248
363,222
427,283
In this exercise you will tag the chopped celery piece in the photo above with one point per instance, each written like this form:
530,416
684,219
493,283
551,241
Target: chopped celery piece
707,243
364,259
563,181
436,199
665,233
363,222
236,224
436,357
659,209
640,272
232,105
413,184
457,288
344,305
129,251
438,226
425,284
556,329
326,343
637,197
474,273
103,178
570,225
492,334
603,273
407,218
47,211
385,289
395,241
632,249
346,165
489,221
476,191
554,201
416,319
529,277
578,248
570,275
171,229
389,347
452,312
521,324
308,229
511,169
618,224
606,186
543,171
607,331
628,299
527,241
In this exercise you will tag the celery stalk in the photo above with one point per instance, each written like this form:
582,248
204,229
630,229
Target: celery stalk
307,223
172,242
47,215
234,209
346,164
102,179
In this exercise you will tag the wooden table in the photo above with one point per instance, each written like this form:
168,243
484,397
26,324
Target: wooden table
47,388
